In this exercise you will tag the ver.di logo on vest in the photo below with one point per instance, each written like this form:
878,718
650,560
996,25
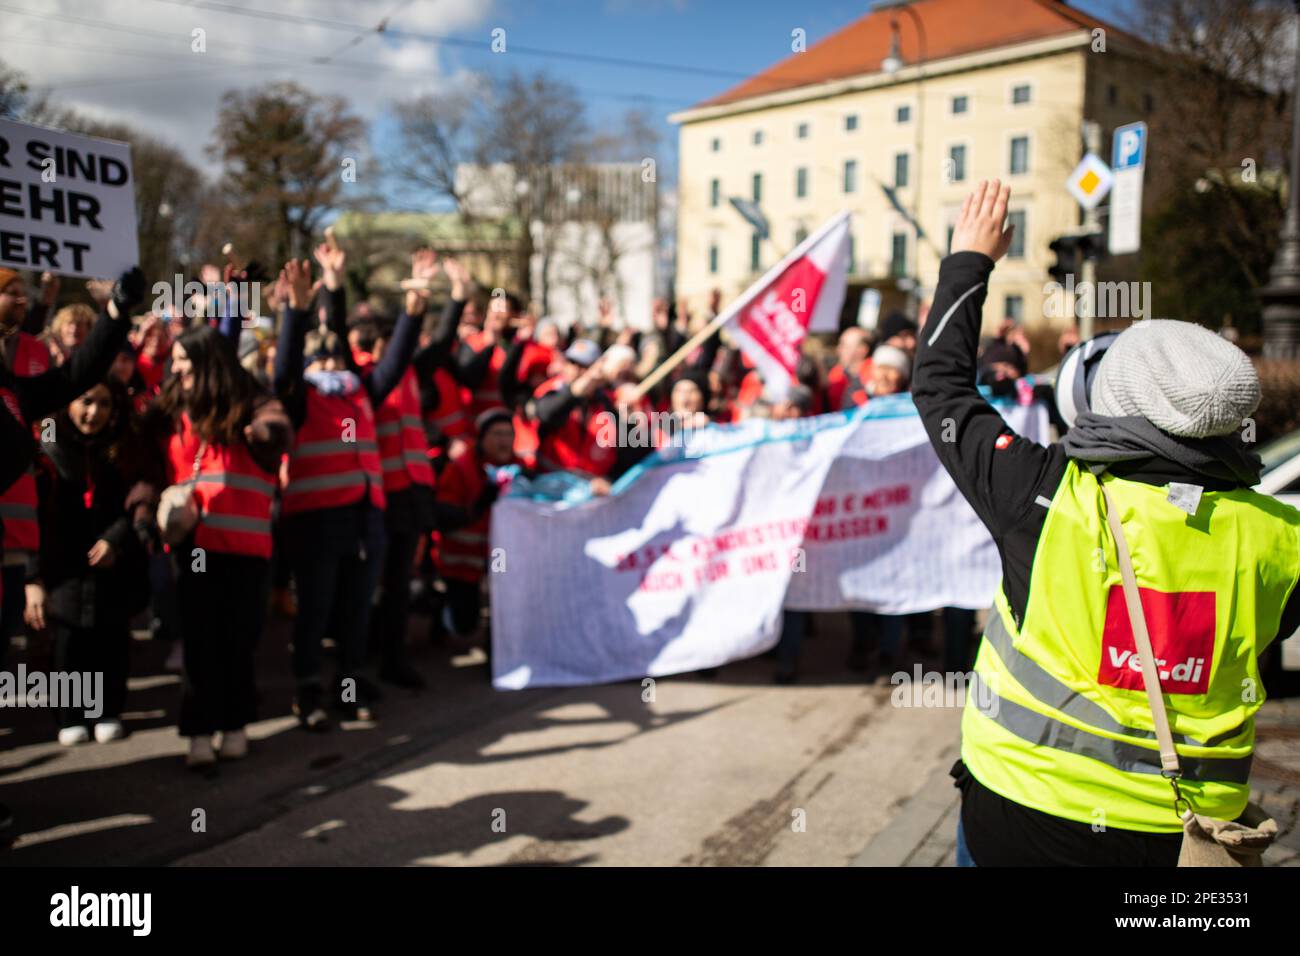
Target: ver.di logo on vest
1181,625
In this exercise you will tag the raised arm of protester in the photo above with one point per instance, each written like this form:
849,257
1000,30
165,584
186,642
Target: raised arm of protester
290,387
406,334
51,390
437,351
994,468
334,297
40,310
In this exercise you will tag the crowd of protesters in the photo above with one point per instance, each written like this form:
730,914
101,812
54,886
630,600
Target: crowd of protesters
196,464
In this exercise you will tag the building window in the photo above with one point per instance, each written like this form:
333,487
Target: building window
1020,94
951,229
1016,219
1148,102
957,163
715,144
960,104
853,256
754,249
900,170
898,255
801,131
1019,155
757,191
850,122
713,258
1013,308
903,114
801,182
715,193
800,235
758,137
1112,95
850,175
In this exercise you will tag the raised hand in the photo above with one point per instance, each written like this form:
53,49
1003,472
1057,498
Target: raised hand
458,275
296,277
424,268
331,259
981,224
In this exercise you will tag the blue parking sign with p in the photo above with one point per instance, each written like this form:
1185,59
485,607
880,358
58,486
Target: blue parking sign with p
1129,147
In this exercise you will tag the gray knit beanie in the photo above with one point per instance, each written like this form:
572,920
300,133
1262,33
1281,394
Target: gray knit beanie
1179,376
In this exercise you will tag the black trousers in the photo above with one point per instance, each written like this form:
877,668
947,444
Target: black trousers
104,649
395,601
222,610
335,554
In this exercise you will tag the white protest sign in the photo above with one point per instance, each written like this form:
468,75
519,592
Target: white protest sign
67,202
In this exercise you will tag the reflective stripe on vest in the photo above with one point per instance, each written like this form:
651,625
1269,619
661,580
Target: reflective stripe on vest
403,446
234,495
325,469
1065,727
1043,731
22,530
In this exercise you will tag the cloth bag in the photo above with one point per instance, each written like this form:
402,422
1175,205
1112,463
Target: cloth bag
1207,841
178,512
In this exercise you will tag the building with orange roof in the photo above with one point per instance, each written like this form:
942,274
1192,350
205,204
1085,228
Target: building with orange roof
920,99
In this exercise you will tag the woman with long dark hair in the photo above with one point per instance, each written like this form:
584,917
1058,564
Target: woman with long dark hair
96,482
225,437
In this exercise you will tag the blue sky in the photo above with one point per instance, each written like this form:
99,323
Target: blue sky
735,37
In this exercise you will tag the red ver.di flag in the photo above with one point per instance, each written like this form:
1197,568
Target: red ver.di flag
802,293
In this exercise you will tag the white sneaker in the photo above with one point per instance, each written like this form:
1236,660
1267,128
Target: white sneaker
234,745
200,754
71,736
107,730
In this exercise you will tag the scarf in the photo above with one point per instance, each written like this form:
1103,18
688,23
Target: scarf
333,383
1098,438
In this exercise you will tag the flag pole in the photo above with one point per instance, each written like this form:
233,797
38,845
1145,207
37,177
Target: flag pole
731,311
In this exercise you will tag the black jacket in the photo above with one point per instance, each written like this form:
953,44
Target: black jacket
70,472
1008,483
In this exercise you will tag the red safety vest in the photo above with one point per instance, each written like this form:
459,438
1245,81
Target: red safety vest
22,531
488,392
233,492
403,449
463,553
577,444
527,440
451,418
335,455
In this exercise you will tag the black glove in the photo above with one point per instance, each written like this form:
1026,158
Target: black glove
128,292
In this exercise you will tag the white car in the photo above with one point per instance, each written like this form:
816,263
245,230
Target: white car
1281,479
1281,475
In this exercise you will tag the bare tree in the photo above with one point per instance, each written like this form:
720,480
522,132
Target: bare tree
1221,94
287,153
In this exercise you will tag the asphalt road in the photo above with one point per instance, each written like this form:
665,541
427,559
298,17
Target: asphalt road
712,771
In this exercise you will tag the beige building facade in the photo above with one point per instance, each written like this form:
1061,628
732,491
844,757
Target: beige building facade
928,131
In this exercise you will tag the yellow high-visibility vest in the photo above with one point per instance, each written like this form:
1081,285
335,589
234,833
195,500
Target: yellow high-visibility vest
1057,719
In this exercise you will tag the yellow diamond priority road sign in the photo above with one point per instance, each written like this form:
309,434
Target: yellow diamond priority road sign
1090,181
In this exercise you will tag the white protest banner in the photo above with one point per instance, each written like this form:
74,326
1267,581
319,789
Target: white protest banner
67,202
690,562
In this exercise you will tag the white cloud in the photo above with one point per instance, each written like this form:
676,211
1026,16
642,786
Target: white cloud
135,64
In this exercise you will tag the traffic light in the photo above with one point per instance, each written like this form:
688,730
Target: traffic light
1066,250
1071,249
